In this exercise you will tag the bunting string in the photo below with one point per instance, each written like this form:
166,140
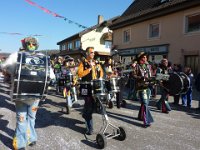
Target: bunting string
16,33
55,14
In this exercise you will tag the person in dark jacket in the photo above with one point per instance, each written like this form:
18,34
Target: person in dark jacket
88,70
187,97
197,86
163,104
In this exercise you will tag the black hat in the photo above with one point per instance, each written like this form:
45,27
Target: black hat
69,59
140,55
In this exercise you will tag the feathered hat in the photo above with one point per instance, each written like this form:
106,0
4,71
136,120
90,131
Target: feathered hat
30,43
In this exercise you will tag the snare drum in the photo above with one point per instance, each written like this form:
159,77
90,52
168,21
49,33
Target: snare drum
85,89
98,87
114,84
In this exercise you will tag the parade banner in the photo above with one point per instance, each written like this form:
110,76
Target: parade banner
54,14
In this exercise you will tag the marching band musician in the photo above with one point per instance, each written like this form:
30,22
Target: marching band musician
163,104
109,72
57,66
68,69
26,110
142,74
73,69
132,93
89,70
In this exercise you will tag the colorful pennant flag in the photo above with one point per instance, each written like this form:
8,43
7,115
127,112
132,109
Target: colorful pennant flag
54,14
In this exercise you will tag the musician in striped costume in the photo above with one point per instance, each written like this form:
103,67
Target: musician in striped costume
142,74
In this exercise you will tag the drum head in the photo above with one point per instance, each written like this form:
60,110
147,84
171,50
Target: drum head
186,82
174,84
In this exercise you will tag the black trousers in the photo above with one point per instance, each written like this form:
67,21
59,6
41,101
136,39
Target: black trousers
89,108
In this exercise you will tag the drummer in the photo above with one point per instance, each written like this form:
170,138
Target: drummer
67,70
163,104
109,72
88,70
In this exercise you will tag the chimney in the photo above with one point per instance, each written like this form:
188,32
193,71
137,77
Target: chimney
100,19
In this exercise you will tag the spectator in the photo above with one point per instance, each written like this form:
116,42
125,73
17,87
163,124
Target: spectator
187,97
197,86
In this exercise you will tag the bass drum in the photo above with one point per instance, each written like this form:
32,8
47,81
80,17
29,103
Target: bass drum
178,83
186,82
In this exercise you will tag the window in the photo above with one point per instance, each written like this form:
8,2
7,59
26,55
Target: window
153,30
69,46
127,36
192,23
63,47
77,44
108,44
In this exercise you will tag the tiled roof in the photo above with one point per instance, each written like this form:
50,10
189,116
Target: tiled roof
75,36
140,5
140,9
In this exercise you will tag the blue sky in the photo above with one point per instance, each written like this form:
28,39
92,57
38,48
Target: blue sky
18,16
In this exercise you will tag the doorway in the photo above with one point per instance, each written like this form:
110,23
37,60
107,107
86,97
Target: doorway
192,62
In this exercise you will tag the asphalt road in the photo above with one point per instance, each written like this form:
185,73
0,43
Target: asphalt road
178,130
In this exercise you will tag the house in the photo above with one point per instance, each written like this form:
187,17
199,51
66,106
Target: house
163,29
98,36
